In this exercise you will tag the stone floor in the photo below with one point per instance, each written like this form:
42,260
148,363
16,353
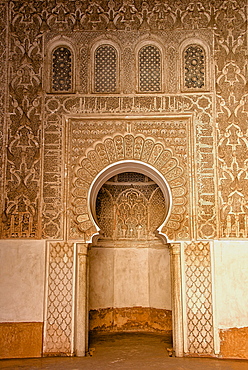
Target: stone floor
126,351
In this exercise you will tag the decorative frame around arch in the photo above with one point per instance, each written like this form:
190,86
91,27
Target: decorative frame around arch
119,153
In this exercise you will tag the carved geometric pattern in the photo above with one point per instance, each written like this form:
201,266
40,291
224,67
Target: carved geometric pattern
132,215
174,134
59,314
3,95
157,209
149,69
105,212
105,69
199,298
62,69
21,216
125,15
131,147
230,56
130,206
194,67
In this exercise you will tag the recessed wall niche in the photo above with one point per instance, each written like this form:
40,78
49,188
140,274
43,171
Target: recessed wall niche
130,206
130,295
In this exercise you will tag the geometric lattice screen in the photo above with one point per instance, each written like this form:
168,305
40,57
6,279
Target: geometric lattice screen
149,69
58,328
194,67
198,290
62,70
105,69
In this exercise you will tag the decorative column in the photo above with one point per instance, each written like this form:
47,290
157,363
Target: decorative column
81,301
177,311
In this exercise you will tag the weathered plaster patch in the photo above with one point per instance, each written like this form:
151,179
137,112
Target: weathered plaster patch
131,319
21,340
234,343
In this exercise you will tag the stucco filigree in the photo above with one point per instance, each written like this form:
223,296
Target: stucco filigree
198,291
232,116
129,147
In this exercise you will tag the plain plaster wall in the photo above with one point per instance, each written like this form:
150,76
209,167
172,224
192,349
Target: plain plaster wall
231,283
129,277
22,273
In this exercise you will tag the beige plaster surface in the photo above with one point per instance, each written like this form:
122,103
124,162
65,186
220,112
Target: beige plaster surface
159,278
129,277
101,263
22,273
231,282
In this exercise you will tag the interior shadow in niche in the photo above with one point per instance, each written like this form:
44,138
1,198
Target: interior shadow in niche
130,206
129,345
129,267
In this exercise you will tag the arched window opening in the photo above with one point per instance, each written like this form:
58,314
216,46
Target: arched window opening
105,69
149,69
194,67
62,69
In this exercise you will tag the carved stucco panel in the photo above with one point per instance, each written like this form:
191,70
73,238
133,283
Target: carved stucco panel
124,147
59,320
232,117
201,143
23,144
3,96
199,334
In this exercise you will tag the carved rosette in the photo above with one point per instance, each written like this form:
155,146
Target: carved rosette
129,147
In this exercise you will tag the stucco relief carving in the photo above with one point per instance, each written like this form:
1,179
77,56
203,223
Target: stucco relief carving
130,206
198,294
227,20
173,137
21,214
129,147
232,117
3,99
58,327
124,15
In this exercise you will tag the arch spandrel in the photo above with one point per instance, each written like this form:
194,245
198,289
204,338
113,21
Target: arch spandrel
119,153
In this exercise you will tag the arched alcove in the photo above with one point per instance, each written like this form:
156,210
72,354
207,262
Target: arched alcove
129,267
135,167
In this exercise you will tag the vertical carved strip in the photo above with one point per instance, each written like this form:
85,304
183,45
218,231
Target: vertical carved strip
127,77
177,310
53,182
22,196
198,289
81,324
58,328
232,117
172,75
205,171
3,97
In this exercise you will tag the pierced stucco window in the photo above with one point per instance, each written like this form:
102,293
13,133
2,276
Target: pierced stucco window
194,60
149,69
62,70
105,69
